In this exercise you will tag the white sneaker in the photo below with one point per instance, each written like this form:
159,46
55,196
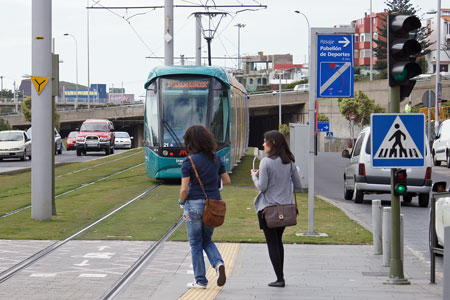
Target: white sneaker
196,285
221,276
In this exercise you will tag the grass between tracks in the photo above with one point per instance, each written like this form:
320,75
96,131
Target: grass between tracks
149,217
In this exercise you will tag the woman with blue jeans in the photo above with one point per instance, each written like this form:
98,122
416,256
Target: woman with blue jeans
201,146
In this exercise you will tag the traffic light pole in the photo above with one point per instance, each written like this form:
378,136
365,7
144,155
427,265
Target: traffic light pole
396,266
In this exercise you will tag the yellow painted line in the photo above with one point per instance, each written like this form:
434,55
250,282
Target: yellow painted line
229,253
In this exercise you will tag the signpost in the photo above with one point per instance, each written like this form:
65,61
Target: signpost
397,140
335,66
323,126
332,49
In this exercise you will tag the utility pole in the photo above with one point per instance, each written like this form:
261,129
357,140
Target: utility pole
168,32
198,40
88,71
43,135
1,77
239,26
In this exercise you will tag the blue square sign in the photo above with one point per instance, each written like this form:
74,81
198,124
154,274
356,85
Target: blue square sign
398,140
335,74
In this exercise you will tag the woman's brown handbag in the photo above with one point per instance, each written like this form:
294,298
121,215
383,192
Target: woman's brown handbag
214,212
281,215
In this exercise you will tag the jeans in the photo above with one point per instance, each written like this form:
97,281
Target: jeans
200,236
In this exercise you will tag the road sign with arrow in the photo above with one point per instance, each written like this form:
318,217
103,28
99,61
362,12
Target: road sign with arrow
335,66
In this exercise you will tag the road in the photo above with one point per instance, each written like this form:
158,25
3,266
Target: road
8,165
329,168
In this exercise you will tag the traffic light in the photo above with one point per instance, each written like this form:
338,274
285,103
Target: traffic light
400,182
403,49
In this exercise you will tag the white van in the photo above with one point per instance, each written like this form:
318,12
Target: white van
360,178
441,145
302,87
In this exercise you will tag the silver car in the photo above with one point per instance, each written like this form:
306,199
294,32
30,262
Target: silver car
360,178
14,144
122,140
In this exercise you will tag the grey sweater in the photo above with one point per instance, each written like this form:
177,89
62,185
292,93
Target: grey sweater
275,182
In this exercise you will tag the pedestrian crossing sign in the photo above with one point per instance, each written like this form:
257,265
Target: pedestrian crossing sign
398,140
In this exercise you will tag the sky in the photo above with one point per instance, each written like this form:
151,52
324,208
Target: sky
121,41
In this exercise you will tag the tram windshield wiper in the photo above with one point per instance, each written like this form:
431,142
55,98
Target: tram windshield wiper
172,133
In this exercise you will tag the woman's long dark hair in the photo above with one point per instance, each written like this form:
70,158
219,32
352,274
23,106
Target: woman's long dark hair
278,146
198,139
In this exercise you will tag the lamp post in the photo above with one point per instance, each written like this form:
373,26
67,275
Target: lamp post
309,33
76,67
239,26
438,65
371,43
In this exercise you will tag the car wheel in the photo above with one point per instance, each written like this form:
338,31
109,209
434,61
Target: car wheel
108,150
348,194
359,196
448,160
435,161
112,149
78,152
407,198
424,199
24,156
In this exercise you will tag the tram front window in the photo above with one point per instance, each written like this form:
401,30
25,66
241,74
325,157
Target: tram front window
185,103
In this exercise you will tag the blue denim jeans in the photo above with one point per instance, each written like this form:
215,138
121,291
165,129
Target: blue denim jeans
200,236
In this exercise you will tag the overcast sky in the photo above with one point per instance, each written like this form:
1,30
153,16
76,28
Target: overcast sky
120,42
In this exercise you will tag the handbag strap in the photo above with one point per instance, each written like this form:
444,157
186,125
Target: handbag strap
198,177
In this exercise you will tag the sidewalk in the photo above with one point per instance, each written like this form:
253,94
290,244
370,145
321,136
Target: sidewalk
312,272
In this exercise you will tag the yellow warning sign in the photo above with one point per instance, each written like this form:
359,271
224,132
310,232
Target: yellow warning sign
39,83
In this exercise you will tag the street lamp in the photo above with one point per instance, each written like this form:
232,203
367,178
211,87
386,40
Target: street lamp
438,65
309,33
76,67
239,26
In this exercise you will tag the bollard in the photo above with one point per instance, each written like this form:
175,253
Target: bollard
446,262
376,227
386,236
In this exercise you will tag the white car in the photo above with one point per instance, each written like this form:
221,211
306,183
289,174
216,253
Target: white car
302,87
442,213
58,141
123,140
14,144
360,178
441,145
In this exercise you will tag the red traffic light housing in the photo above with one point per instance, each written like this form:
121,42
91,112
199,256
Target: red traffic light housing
403,49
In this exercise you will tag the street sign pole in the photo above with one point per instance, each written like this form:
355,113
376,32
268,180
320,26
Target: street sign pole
396,266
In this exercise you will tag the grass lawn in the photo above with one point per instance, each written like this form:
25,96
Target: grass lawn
149,217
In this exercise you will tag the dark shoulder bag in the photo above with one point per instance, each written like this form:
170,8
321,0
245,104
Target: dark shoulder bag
281,215
214,212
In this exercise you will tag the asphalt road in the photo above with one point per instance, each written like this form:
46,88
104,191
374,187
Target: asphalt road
12,164
329,182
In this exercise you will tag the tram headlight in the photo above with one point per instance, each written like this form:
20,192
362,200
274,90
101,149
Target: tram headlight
165,152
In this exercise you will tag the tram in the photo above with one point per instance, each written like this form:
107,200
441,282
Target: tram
180,96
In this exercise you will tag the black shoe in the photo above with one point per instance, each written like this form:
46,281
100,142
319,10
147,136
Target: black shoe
278,283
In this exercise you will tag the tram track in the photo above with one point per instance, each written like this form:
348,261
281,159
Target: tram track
10,213
10,272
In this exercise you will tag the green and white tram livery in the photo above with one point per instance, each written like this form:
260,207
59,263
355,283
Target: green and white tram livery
180,96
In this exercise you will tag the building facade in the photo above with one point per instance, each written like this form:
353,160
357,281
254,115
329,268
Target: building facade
362,37
444,38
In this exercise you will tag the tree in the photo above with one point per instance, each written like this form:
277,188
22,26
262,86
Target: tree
4,125
322,118
362,105
398,7
25,108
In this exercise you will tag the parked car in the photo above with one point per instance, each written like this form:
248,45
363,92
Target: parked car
123,140
58,141
96,135
302,87
441,145
71,140
14,144
360,178
442,211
